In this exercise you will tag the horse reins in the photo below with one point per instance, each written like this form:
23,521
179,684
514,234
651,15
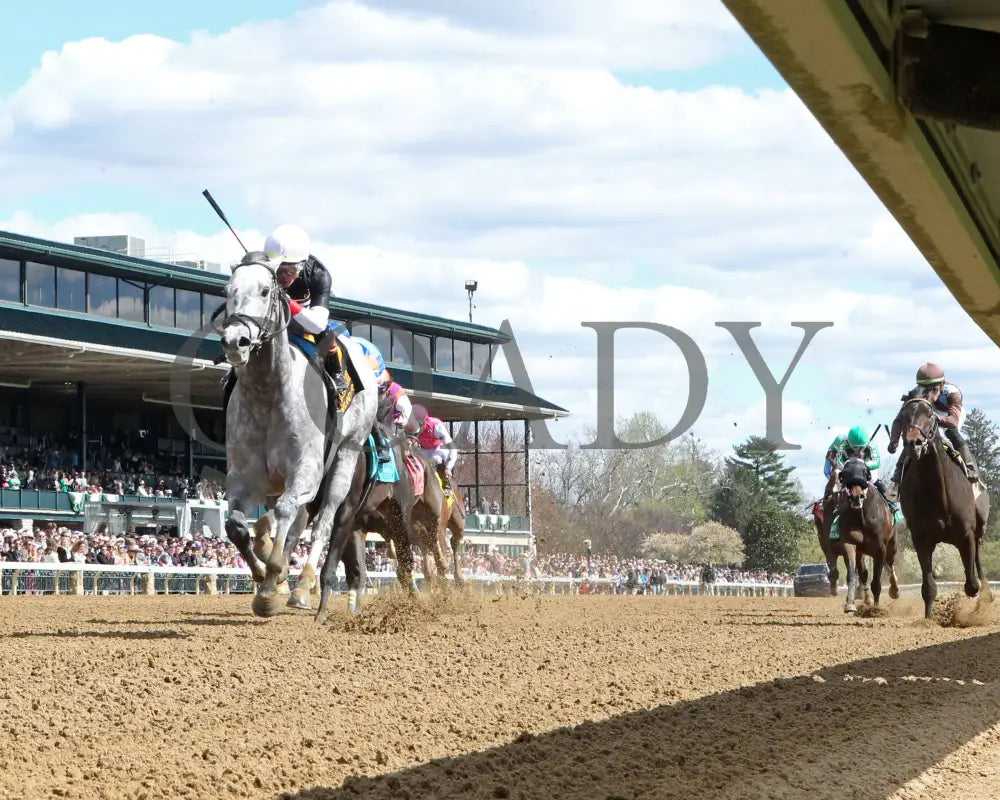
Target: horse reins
263,324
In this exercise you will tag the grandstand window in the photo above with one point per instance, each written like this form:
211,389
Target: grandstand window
41,280
161,306
402,347
382,339
421,351
10,280
188,310
71,289
130,302
443,358
481,360
463,356
362,329
209,302
102,296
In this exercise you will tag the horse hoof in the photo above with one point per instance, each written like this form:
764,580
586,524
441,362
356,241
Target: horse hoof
850,609
299,600
266,606
894,593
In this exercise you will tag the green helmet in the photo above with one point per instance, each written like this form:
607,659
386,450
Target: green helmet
857,436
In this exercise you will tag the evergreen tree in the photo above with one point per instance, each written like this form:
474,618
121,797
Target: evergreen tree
758,464
983,437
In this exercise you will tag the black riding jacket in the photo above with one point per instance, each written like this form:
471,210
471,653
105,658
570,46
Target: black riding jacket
312,288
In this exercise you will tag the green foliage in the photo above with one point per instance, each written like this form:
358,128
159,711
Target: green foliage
772,538
983,437
762,468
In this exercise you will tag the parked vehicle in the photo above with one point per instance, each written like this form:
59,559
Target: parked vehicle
811,580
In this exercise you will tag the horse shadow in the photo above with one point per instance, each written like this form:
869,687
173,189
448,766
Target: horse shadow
157,634
196,618
863,728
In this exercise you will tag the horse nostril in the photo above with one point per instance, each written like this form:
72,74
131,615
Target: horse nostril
243,342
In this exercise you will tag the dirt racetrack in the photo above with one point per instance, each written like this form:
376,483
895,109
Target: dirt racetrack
588,697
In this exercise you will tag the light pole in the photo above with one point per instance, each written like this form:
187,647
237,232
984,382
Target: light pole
470,287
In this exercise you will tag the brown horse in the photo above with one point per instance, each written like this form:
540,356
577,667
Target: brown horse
823,513
938,501
866,529
383,508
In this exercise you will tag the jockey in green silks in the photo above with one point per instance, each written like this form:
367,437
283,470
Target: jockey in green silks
857,444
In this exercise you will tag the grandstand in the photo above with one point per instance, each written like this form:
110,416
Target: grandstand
111,405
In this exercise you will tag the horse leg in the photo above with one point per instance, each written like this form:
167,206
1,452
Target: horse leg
457,534
328,574
969,550
979,570
878,564
928,588
239,535
287,511
890,559
852,578
831,563
863,578
354,571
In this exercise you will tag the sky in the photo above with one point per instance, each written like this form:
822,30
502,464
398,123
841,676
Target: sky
634,162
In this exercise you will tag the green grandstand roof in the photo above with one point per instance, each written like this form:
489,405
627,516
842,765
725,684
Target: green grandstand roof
13,245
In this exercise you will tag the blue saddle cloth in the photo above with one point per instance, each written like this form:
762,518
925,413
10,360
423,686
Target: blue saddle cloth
304,345
384,472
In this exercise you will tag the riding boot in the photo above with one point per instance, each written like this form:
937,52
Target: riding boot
883,490
383,447
970,462
327,349
958,441
442,470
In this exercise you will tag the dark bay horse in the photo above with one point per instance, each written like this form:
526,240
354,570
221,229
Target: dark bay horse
866,529
823,514
382,508
938,501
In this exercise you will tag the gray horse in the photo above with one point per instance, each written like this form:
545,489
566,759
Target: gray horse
278,427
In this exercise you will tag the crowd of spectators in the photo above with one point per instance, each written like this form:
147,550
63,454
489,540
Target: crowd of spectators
640,575
121,465
51,543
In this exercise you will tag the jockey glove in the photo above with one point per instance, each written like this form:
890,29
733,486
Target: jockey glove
295,306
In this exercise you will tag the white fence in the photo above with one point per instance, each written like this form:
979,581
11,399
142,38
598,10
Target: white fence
73,578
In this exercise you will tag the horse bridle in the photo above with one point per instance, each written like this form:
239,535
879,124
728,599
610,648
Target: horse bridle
278,300
927,434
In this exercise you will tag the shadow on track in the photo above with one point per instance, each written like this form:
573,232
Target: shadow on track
159,634
861,729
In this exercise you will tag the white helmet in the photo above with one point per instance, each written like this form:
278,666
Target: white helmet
287,244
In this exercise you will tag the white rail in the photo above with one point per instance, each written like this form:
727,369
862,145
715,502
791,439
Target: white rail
75,578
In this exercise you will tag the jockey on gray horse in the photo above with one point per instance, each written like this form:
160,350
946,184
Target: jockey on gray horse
307,282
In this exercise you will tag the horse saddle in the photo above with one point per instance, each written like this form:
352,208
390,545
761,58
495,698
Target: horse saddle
312,349
381,471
